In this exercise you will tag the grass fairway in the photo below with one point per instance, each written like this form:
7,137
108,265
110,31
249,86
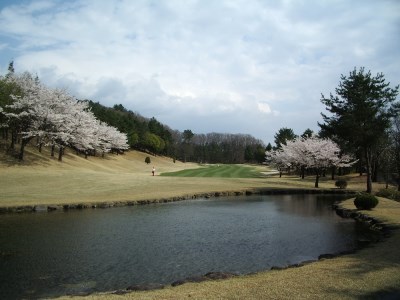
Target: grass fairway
222,171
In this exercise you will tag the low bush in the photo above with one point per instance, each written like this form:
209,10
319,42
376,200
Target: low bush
341,183
366,201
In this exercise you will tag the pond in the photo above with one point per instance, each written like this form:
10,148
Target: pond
58,253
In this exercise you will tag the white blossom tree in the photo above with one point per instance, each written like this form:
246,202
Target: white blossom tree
21,114
57,119
278,159
310,153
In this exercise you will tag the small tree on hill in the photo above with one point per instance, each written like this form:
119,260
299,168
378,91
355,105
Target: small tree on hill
147,160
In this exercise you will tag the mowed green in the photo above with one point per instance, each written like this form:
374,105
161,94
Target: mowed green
223,171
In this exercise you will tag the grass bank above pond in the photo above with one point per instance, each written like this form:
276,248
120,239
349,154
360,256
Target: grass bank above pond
42,180
371,273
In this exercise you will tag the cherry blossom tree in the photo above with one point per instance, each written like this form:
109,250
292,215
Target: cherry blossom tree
57,119
21,113
310,153
279,159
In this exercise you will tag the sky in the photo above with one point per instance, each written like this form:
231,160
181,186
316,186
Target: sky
227,66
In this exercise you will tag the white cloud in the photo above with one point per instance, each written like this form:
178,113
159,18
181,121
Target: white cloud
264,108
203,64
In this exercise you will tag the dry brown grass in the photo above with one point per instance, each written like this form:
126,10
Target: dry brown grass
42,180
45,181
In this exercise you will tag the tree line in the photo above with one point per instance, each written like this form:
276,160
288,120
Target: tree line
149,135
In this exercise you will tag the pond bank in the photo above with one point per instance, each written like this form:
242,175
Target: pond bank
373,272
109,204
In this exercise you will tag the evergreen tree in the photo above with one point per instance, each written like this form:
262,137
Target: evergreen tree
307,133
360,113
187,147
282,136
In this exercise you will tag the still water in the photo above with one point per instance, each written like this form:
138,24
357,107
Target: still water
58,253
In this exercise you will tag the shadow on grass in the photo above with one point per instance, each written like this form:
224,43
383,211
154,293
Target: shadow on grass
389,294
374,272
32,156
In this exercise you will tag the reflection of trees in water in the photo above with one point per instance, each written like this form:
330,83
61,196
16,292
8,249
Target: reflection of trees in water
308,204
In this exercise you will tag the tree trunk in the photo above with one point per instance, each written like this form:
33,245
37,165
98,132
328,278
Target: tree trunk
303,171
360,167
5,134
397,160
333,173
317,179
52,150
60,153
21,151
13,140
398,182
24,142
374,169
368,156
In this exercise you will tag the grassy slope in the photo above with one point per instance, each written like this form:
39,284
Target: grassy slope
42,180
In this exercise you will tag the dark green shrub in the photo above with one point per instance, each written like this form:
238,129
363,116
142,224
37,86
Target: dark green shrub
147,160
341,183
365,201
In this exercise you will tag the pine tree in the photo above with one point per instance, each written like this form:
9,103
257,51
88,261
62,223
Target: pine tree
360,113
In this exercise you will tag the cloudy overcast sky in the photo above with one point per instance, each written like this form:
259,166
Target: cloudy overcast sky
209,65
